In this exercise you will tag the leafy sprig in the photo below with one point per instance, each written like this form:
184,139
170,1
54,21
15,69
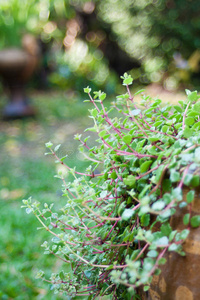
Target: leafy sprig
113,232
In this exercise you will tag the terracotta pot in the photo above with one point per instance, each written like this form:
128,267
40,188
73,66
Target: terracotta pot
180,276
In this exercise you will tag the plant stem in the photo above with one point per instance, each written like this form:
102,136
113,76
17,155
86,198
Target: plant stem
184,115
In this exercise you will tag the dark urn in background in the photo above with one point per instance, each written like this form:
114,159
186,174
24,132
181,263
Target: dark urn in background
16,68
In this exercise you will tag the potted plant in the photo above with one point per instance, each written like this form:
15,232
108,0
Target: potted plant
131,218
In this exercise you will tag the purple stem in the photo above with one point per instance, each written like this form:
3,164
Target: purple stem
110,231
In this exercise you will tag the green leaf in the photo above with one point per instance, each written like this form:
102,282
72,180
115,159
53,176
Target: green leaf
192,96
145,166
158,123
28,210
139,92
179,144
167,198
195,181
127,139
165,128
181,102
102,96
178,108
158,205
103,194
184,234
149,110
135,254
166,185
135,112
88,273
196,107
49,144
174,175
172,235
113,175
182,204
174,247
145,189
93,112
57,147
127,214
110,267
188,92
145,200
177,194
163,241
103,133
189,121
61,275
187,132
121,208
186,219
40,274
159,173
157,271
87,90
187,158
77,136
166,229
152,253
196,126
153,139
187,179
140,145
177,125
127,79
162,261
130,180
148,264
190,196
195,221
93,129
145,219
192,113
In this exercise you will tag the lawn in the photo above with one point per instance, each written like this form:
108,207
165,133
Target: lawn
25,171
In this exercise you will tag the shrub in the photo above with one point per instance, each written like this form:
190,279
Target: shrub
153,32
113,231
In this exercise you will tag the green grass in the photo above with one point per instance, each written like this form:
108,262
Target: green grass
25,172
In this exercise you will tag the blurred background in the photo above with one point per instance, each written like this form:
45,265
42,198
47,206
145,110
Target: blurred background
49,51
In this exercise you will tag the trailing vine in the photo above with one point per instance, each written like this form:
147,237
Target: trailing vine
113,231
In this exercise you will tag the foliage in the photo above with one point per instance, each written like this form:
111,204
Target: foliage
161,35
52,22
15,21
154,32
34,18
113,231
